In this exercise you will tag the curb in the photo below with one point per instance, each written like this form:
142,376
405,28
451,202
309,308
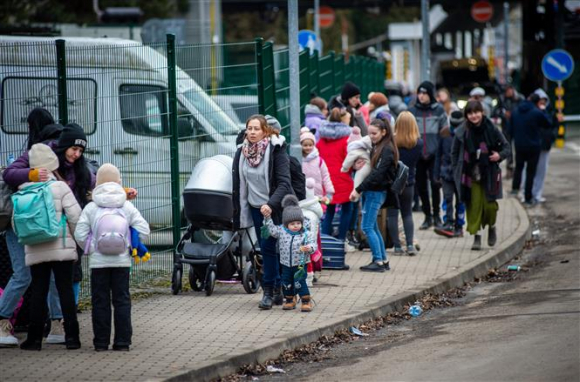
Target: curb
224,366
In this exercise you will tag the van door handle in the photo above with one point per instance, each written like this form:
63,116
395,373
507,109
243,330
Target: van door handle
92,151
126,151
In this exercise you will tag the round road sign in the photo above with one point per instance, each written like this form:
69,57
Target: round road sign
326,16
482,11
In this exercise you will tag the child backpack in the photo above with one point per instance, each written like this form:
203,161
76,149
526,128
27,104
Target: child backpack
35,219
111,232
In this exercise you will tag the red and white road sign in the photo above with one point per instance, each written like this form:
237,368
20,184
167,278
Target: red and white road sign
482,11
326,16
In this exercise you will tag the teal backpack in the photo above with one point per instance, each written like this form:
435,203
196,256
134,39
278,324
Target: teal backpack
35,219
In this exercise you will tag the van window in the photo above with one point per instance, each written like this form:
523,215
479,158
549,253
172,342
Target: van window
22,94
144,109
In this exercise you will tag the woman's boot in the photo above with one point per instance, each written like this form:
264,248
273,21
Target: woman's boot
278,298
491,236
71,335
476,243
267,298
33,339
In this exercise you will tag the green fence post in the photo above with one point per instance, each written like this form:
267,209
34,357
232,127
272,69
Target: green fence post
260,74
331,54
338,65
314,73
61,82
174,139
304,61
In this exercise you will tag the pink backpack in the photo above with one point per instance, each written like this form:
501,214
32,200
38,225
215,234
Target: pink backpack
110,232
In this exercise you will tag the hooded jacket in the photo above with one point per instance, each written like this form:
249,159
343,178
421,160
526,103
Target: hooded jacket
313,166
37,120
61,249
313,118
280,183
526,126
332,147
431,119
108,195
289,243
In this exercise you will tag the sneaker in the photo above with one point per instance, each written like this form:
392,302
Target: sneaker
540,200
56,335
352,239
373,267
348,248
446,230
458,232
529,203
386,266
514,192
101,348
6,337
437,222
398,251
121,347
411,250
426,224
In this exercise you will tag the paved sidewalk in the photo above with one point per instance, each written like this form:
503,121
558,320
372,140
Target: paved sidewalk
176,335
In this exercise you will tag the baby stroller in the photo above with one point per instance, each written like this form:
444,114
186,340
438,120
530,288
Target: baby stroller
208,205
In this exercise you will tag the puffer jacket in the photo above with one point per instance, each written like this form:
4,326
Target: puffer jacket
108,195
312,210
313,166
332,146
431,120
61,249
313,118
289,242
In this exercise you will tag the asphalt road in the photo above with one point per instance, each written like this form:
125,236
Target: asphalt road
524,330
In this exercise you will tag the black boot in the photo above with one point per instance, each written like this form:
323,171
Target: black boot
71,335
476,243
267,299
427,223
491,236
33,339
278,299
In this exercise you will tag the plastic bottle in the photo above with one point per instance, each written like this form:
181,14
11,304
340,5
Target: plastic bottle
415,310
514,268
10,159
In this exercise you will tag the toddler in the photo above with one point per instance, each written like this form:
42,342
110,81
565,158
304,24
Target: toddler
358,157
312,210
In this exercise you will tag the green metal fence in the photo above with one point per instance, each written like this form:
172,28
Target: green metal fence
155,110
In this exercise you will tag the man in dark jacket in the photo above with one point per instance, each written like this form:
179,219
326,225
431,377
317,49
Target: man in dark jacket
508,101
432,122
526,130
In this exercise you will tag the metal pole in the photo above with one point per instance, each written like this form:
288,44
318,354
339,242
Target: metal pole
506,39
295,148
426,43
317,23
61,82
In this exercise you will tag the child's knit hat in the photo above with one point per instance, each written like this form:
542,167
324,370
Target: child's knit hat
291,210
108,173
306,134
42,156
456,118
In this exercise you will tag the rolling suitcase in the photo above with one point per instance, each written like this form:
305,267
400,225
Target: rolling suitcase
333,254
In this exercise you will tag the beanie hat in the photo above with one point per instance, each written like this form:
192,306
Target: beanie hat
306,134
273,123
291,210
72,135
456,118
42,156
310,183
349,90
108,173
378,99
429,88
477,91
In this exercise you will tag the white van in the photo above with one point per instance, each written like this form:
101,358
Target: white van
117,91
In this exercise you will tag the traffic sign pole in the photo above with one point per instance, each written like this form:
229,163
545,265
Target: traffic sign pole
560,108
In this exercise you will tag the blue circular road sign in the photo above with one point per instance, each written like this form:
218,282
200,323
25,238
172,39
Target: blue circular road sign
557,65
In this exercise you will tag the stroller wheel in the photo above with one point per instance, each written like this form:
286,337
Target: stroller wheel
176,281
209,283
195,282
250,278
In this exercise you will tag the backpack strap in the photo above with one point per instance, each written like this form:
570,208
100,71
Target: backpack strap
63,224
319,161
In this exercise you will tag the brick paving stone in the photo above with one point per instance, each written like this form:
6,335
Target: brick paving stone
174,333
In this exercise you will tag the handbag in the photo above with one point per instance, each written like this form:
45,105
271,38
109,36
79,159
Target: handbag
400,181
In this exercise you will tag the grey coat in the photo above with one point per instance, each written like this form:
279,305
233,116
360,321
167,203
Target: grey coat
500,145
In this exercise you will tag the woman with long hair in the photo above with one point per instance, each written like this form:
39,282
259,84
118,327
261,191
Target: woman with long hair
477,149
410,146
261,178
376,189
332,146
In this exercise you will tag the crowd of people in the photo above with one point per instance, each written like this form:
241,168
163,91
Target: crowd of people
352,155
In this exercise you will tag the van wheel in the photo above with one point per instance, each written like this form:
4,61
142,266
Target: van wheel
210,283
176,281
195,282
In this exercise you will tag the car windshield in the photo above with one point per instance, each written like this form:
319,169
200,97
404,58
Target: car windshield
219,120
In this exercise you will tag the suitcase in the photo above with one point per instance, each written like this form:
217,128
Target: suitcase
333,254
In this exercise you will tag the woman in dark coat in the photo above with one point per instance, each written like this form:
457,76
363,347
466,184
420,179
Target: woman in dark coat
477,150
261,178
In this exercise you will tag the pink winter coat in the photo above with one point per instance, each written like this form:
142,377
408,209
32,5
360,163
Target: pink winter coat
313,166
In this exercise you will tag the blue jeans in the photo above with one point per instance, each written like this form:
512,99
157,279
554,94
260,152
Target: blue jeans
54,309
292,286
270,260
20,279
345,217
372,202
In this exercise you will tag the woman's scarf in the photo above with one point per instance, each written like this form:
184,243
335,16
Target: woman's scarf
477,138
254,152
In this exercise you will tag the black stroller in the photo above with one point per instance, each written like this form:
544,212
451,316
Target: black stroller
208,206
